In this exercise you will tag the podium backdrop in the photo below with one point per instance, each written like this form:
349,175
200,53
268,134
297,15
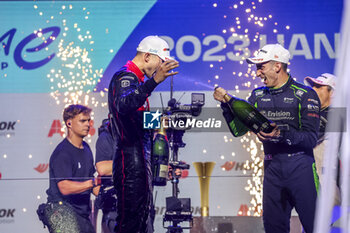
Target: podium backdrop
54,53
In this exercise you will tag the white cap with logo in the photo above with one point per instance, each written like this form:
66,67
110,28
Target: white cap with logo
270,52
324,79
155,45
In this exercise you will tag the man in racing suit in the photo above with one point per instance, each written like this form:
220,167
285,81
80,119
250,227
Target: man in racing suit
127,100
290,178
324,85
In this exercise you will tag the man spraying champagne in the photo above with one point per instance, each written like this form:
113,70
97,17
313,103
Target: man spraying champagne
290,178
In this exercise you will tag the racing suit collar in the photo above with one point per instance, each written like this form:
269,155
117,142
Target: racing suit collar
283,88
132,67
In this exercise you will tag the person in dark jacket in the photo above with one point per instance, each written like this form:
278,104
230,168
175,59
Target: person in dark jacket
290,178
106,199
127,100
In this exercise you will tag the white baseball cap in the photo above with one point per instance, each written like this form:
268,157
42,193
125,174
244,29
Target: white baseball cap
324,79
270,52
155,45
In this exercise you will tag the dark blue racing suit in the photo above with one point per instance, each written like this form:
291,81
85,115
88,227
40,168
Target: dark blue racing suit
290,178
132,177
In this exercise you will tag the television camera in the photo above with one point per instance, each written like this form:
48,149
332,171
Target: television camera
179,209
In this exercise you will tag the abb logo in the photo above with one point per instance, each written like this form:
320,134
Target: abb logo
243,210
237,166
56,127
184,174
92,130
42,167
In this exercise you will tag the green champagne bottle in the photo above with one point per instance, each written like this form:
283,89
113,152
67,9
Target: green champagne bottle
160,157
248,115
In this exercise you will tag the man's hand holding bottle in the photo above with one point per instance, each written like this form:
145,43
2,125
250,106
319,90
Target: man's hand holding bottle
219,94
273,136
262,127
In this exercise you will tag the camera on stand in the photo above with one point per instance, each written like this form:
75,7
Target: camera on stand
180,116
178,210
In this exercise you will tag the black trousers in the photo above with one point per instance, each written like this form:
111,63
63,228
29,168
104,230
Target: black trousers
132,181
290,181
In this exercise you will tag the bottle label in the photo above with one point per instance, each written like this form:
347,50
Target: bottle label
264,126
255,126
163,170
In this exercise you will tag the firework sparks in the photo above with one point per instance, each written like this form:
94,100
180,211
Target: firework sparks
73,79
255,164
239,29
